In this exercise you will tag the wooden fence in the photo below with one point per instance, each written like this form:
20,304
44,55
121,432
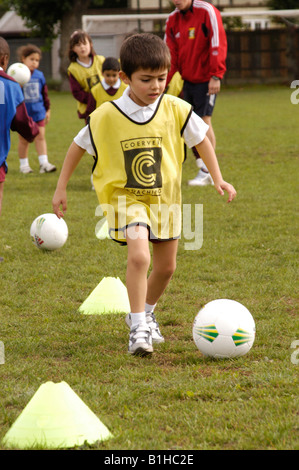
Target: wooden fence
263,56
259,56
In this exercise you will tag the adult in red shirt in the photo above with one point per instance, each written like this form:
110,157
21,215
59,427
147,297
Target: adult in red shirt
197,41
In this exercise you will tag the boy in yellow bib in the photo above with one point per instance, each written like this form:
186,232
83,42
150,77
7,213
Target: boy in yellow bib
111,86
138,144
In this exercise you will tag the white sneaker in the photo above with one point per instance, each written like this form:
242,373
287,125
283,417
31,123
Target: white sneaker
47,168
152,323
201,179
26,169
140,340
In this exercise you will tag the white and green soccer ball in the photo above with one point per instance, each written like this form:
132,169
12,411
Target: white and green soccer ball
48,232
20,72
224,328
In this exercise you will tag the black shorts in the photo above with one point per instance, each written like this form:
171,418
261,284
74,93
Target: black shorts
197,95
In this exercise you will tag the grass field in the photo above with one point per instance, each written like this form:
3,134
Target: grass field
177,399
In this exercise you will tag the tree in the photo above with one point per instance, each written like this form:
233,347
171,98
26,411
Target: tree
283,4
48,19
292,27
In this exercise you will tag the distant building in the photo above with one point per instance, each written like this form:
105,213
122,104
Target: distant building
16,33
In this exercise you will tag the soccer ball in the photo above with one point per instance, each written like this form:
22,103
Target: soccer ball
20,72
48,232
224,329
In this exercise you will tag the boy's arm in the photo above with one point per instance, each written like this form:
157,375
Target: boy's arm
23,124
82,96
207,153
77,91
45,96
46,103
72,158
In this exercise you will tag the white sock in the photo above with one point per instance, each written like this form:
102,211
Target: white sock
43,159
199,162
149,308
137,318
24,162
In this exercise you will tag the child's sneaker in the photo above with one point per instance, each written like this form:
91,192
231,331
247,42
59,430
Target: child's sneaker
47,168
26,169
152,323
201,179
140,340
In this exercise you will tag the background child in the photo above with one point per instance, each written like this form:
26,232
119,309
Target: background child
38,107
84,71
138,141
13,114
111,87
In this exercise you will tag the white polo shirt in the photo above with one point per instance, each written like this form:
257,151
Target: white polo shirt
195,130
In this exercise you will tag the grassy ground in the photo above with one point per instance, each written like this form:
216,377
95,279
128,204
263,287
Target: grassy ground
177,399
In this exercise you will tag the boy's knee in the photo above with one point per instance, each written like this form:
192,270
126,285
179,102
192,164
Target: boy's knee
167,270
39,138
140,259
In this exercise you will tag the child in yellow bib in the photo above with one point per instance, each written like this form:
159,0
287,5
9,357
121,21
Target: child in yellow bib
111,86
138,145
84,72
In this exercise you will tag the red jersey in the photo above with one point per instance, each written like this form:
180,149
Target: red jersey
197,42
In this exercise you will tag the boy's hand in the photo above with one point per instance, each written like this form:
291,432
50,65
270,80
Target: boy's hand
224,186
59,199
48,116
214,86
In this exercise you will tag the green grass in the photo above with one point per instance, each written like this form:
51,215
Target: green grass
177,399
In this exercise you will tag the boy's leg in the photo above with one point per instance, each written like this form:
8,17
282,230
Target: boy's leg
41,149
164,265
1,194
140,341
137,266
203,105
40,141
1,197
23,147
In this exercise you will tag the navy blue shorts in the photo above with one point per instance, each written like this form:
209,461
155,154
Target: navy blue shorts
197,95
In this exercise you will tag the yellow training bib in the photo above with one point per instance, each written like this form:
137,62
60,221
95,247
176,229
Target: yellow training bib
138,168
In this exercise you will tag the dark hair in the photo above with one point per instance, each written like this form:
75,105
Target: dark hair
111,63
4,47
78,37
146,51
25,51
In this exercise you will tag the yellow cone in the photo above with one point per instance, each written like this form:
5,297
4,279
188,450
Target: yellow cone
110,296
102,229
55,418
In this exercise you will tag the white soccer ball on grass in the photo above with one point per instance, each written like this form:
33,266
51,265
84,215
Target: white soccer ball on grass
224,328
48,232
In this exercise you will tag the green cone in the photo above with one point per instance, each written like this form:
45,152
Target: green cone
55,418
110,296
102,230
